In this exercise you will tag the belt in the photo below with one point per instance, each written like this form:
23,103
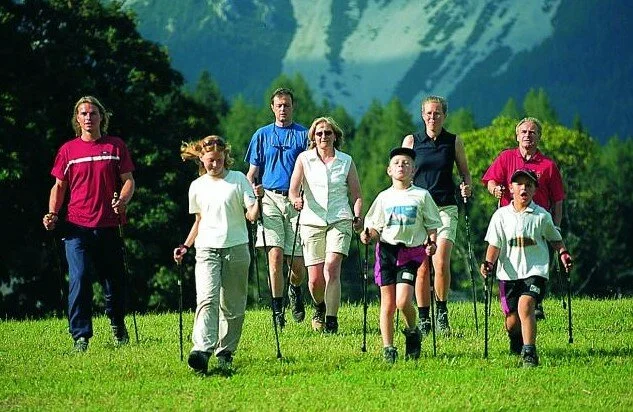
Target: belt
279,192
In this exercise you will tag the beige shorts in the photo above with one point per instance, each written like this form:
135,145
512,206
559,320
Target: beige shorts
449,216
319,240
280,222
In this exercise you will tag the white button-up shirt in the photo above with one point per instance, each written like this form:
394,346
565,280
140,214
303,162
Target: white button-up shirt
326,199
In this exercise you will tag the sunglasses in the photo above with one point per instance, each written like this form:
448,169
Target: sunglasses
214,142
325,132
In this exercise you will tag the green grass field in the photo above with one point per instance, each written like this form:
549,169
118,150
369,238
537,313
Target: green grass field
39,371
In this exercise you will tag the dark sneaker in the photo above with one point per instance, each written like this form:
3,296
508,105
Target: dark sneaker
412,343
390,354
81,344
539,313
331,326
530,358
279,319
225,361
442,323
424,326
318,320
296,303
120,335
198,361
516,345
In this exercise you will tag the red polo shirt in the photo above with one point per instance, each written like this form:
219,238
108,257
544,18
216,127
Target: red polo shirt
550,183
93,171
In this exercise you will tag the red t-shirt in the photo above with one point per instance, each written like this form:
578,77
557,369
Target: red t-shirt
93,171
550,183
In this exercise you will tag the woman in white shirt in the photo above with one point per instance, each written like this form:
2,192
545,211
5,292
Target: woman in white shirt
329,182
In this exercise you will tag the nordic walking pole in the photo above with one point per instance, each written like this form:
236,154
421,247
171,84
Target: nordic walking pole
292,255
180,276
470,260
432,293
270,285
254,254
487,303
569,319
127,271
559,275
61,275
365,272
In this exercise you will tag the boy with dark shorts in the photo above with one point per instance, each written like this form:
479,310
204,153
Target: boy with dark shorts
401,218
517,241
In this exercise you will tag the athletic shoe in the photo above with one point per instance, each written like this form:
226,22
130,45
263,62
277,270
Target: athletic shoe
279,319
318,320
539,313
296,303
81,344
120,335
390,354
225,361
442,324
331,326
530,358
198,361
424,326
412,343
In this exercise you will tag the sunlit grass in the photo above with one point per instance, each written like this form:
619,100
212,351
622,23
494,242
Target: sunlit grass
39,371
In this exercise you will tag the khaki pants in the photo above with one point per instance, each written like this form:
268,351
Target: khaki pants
221,292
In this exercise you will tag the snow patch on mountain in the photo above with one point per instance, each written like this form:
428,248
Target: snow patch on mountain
390,38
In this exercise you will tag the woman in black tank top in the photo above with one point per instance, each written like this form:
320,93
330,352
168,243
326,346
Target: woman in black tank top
437,151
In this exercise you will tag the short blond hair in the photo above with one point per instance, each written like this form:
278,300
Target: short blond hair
338,132
435,99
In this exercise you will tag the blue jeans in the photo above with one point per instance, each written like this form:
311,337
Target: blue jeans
90,252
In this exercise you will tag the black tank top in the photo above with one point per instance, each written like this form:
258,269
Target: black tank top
434,162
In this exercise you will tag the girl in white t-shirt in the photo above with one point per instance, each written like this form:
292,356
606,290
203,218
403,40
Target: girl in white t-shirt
218,198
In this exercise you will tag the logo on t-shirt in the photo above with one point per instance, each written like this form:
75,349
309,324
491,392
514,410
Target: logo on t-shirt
522,242
401,215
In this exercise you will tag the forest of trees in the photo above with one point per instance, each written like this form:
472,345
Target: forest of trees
55,51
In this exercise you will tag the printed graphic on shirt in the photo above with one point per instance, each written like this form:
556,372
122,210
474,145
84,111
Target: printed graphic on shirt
522,242
401,215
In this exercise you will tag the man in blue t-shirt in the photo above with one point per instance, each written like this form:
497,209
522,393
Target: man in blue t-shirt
272,153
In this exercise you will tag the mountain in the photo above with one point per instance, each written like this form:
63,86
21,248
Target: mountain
477,53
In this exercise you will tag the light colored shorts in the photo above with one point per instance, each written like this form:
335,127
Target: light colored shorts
449,216
319,240
280,222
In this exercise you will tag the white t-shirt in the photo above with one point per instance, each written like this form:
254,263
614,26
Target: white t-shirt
522,239
221,204
403,216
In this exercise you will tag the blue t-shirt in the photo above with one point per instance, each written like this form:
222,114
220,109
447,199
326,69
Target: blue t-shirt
274,150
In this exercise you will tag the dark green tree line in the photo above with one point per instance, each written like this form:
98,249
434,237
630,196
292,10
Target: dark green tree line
56,51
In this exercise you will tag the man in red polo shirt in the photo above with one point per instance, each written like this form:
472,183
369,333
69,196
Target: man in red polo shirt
91,168
549,193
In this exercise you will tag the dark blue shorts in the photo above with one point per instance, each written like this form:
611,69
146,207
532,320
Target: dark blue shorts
511,290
